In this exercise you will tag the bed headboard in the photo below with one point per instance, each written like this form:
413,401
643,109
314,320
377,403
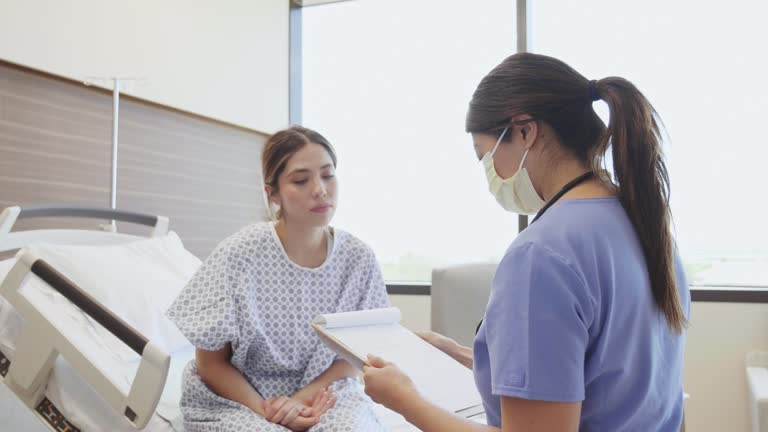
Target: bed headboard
10,241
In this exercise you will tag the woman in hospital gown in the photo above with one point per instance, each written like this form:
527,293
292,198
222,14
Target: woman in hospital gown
249,307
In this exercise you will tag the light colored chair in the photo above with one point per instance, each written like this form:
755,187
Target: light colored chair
459,297
757,378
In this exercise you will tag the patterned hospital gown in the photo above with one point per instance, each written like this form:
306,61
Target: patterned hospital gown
250,294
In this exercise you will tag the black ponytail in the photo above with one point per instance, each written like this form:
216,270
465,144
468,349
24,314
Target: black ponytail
549,90
638,166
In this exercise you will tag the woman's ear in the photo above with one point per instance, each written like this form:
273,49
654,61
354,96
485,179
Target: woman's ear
272,202
528,128
529,131
271,194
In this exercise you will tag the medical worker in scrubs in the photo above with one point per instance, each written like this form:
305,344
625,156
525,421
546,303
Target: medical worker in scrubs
585,325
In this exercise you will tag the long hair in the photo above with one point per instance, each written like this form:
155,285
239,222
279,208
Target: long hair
550,91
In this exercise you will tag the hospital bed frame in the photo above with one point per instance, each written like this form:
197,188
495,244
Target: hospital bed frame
40,341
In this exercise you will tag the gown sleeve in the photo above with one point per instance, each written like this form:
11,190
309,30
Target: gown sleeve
205,311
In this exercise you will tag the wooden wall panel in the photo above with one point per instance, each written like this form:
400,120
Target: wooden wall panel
55,148
54,144
207,180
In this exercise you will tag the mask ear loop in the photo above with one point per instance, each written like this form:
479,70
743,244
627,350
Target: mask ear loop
499,141
525,155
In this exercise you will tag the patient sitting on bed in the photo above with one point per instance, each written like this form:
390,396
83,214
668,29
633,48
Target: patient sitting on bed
258,365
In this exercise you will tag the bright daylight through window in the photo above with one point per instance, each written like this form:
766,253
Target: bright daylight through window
388,82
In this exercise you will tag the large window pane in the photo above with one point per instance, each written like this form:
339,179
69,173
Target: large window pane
388,82
702,65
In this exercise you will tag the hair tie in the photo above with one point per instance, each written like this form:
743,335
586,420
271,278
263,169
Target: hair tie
592,88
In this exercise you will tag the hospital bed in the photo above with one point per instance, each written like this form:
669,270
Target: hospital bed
50,356
71,357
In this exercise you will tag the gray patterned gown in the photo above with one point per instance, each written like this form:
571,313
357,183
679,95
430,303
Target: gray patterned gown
250,294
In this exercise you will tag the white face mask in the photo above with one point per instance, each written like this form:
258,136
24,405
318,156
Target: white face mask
515,194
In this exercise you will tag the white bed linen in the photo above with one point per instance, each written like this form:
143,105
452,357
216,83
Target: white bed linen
80,404
136,281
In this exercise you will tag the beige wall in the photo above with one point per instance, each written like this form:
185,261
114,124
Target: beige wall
720,336
224,60
415,310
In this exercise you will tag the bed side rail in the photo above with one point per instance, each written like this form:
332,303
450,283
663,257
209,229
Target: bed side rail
41,341
10,215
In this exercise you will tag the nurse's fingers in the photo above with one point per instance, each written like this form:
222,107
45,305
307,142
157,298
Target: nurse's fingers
426,335
376,362
437,340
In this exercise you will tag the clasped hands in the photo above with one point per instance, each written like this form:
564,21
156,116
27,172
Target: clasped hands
296,413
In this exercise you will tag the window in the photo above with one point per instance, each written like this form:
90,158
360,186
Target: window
388,82
701,65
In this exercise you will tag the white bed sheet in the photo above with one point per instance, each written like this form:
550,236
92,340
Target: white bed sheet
81,405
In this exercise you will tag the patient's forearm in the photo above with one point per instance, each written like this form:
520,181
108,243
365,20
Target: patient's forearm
226,381
339,369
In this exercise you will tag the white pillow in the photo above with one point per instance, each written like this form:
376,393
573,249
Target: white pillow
69,319
137,281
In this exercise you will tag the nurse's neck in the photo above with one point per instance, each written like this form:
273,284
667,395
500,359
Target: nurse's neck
563,172
305,245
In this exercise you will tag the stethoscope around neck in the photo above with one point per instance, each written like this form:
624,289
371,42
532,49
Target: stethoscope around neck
570,185
564,190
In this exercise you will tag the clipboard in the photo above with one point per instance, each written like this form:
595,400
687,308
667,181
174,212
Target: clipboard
439,378
340,347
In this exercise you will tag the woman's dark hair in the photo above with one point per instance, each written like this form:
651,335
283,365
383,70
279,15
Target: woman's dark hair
552,92
282,145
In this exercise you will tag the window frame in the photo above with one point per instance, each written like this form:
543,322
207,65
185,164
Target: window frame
735,294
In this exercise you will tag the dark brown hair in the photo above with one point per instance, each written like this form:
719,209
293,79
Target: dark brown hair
552,92
281,146
284,144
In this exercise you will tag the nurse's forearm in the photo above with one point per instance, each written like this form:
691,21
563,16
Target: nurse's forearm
340,369
464,355
449,346
431,418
